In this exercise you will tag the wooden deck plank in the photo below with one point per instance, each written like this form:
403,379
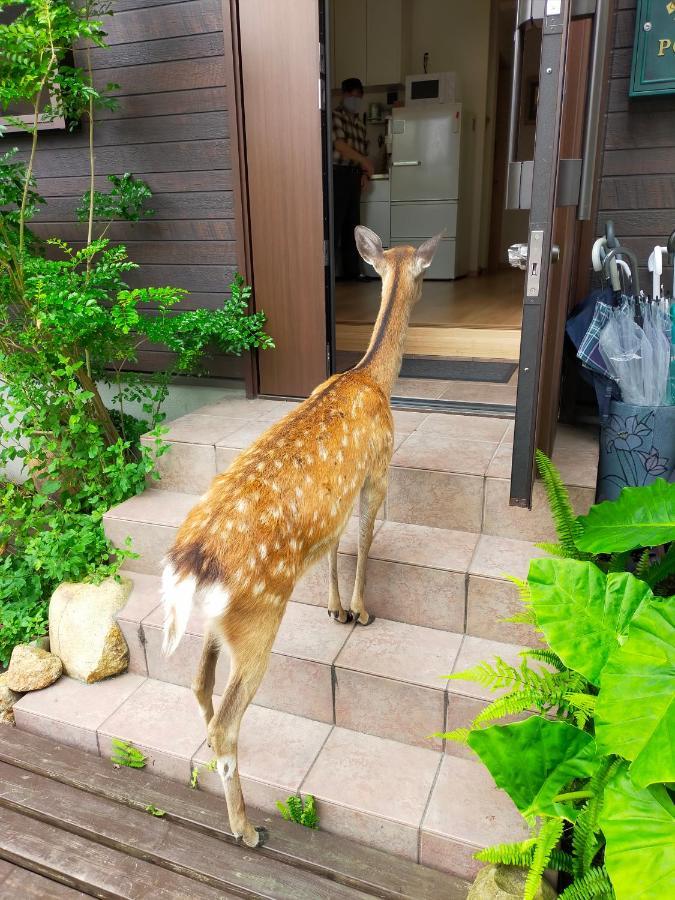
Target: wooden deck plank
162,842
338,859
21,884
90,867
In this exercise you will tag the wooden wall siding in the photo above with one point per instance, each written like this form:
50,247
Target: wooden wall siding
637,188
171,128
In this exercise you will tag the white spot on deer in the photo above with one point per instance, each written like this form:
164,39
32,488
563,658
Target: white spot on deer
298,492
344,441
241,527
258,588
260,466
277,463
241,505
308,479
262,551
280,567
252,562
323,453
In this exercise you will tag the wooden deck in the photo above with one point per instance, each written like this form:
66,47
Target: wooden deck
72,826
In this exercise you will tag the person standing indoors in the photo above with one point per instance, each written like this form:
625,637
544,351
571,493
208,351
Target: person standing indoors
351,172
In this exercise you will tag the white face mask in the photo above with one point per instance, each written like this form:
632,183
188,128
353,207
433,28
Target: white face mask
353,104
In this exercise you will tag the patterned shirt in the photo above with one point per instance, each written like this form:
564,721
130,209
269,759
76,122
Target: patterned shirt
350,128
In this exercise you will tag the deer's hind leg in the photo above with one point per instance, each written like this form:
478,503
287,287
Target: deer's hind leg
205,676
249,641
335,608
372,495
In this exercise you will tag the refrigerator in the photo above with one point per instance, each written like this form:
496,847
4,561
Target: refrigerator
428,156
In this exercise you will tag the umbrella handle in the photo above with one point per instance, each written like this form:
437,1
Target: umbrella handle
611,239
598,254
655,266
632,259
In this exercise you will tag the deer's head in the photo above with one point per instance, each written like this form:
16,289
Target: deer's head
407,264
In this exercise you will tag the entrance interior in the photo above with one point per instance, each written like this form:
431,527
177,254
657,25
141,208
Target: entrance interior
437,85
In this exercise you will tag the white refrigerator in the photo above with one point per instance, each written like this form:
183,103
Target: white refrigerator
429,149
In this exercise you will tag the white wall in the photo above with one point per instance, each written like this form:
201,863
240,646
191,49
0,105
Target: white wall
456,34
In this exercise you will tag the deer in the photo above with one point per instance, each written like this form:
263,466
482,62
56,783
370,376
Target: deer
282,505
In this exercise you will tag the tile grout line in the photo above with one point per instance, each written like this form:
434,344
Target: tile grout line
426,807
101,725
314,761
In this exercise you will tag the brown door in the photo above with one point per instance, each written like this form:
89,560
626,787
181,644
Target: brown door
556,186
279,51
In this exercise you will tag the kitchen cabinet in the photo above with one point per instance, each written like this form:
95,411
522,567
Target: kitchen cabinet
369,40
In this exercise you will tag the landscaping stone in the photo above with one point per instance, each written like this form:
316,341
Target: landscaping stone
31,669
8,698
496,882
83,629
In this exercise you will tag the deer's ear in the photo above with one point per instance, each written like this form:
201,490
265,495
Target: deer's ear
369,245
425,252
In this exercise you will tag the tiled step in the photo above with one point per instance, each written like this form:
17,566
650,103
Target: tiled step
448,471
413,801
385,680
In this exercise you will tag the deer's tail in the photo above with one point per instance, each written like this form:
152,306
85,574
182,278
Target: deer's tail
177,596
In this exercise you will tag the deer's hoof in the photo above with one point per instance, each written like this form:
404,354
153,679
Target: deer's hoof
369,620
263,836
335,615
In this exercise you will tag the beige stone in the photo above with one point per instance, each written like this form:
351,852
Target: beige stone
31,669
8,698
504,883
7,717
83,629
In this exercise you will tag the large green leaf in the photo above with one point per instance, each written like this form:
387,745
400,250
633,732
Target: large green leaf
641,517
639,827
635,712
534,760
581,611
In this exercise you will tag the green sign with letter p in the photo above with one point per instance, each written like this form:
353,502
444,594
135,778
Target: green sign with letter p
653,68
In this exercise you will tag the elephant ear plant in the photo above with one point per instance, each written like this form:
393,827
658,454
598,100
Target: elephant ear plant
591,766
70,322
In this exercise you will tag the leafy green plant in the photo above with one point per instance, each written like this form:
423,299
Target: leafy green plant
196,769
591,768
70,322
125,754
299,810
155,811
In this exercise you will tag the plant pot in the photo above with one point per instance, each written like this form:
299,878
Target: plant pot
637,445
496,882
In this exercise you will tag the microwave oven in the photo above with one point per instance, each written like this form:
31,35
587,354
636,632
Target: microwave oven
433,87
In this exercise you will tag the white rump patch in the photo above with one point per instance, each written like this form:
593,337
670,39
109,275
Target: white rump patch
177,598
215,600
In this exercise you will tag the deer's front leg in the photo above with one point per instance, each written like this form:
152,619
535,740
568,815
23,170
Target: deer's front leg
335,608
372,495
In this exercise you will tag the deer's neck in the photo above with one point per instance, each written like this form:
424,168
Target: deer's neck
382,360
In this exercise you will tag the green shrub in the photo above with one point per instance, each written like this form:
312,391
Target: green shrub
591,772
69,321
299,810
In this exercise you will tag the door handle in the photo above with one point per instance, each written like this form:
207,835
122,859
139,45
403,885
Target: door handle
408,162
595,89
518,256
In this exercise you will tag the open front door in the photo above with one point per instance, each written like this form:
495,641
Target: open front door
556,186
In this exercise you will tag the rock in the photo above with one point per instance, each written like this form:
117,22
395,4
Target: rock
83,629
7,718
8,698
31,669
495,882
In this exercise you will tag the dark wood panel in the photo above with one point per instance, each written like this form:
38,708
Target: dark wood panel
625,28
179,253
347,862
639,129
621,62
207,278
657,223
230,367
169,103
20,884
157,51
157,77
160,183
173,156
639,191
651,160
163,21
145,130
150,230
279,47
619,101
196,205
121,5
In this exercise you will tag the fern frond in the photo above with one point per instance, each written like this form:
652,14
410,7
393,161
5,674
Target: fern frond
584,841
582,705
518,854
459,735
526,617
552,549
524,593
595,885
509,705
494,676
618,562
310,816
543,654
642,566
565,521
547,839
561,861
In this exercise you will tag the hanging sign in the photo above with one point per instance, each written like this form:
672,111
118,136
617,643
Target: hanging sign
653,68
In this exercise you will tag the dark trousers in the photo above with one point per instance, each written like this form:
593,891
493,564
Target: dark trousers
346,216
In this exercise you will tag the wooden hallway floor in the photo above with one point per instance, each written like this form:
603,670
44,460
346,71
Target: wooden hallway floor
71,826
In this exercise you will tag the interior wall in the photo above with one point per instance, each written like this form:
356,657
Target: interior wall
456,35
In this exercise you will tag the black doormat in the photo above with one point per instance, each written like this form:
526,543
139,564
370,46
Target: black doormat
437,367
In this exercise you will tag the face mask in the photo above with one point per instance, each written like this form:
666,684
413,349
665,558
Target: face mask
353,104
